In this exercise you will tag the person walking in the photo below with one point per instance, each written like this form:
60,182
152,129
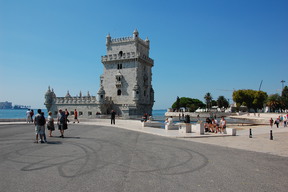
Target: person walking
31,114
50,123
43,128
75,116
271,122
39,123
113,114
67,114
62,122
277,121
28,116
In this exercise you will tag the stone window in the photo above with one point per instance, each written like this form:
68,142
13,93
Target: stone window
119,92
120,53
89,113
71,112
119,66
80,113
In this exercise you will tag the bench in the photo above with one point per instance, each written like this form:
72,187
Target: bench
152,124
230,131
184,127
171,126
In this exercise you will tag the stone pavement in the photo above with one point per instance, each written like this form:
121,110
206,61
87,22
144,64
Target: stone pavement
260,141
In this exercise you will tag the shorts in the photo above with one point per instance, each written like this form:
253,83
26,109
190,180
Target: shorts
62,126
39,129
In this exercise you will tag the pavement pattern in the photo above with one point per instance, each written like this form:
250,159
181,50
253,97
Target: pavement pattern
97,156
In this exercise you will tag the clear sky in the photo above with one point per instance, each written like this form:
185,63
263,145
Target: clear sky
214,46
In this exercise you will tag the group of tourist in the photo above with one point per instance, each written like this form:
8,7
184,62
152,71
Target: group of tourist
29,116
62,121
279,121
213,126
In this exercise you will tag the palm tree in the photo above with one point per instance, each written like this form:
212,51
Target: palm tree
208,98
274,102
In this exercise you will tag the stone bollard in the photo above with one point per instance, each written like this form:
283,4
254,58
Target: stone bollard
271,135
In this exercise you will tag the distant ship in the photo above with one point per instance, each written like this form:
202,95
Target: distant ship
8,105
21,107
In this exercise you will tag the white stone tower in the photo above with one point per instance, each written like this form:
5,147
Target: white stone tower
127,77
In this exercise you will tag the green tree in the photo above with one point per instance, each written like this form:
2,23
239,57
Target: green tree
190,103
208,98
274,102
284,97
213,103
177,103
250,98
222,102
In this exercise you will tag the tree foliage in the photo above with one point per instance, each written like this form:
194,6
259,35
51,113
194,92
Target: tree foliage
208,98
222,102
250,98
274,102
187,102
284,98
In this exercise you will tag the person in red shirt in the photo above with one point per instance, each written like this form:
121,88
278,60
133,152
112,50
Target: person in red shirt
75,116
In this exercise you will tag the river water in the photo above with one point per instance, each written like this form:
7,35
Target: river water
21,113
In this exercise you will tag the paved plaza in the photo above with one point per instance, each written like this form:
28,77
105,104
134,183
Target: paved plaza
95,156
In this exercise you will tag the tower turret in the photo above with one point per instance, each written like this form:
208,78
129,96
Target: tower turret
108,39
135,34
101,95
49,99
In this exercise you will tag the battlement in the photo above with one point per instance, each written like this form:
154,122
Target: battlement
129,39
77,100
122,39
125,56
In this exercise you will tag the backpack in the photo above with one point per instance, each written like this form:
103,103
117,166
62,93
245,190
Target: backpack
41,120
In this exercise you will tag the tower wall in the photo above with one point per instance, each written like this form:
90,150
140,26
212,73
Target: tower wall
127,65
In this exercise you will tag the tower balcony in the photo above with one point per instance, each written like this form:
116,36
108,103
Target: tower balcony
118,84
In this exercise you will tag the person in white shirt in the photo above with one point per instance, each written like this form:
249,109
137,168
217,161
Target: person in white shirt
28,116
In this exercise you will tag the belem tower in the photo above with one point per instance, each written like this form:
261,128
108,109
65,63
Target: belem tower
125,85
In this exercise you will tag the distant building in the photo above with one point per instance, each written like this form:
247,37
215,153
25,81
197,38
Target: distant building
6,105
125,86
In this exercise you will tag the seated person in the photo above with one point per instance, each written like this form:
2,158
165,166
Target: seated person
169,121
215,126
208,125
144,118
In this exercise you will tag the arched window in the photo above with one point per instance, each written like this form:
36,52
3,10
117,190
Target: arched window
119,92
120,53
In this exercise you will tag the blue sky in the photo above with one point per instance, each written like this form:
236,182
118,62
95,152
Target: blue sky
214,46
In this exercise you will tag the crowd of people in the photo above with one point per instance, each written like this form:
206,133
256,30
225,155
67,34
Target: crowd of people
213,126
41,122
279,121
29,116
